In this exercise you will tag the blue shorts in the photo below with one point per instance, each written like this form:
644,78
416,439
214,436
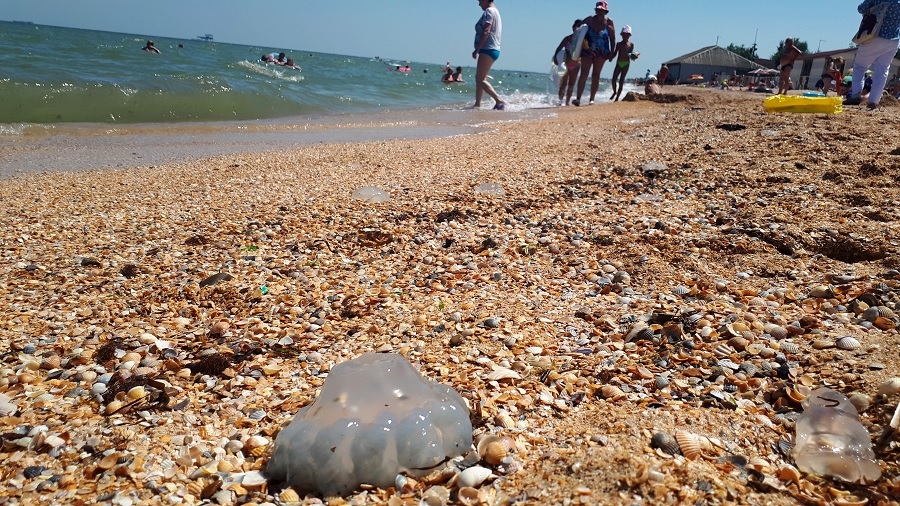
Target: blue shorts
493,53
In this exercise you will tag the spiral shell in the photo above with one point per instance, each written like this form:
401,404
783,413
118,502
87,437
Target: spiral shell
847,343
665,442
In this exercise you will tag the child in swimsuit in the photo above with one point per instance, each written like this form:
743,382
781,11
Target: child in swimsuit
624,54
567,82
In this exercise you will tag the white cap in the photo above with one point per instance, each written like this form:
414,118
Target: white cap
626,29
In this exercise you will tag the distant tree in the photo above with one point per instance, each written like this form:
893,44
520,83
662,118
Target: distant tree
747,52
799,44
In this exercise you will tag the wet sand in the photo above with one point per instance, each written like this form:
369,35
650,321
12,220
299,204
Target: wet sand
768,228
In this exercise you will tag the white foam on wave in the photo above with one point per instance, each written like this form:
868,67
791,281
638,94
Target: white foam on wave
273,71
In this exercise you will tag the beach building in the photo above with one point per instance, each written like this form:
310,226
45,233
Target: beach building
809,67
707,61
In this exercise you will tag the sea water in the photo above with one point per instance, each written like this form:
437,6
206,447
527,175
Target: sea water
199,98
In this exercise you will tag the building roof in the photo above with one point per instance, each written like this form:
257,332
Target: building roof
715,56
826,54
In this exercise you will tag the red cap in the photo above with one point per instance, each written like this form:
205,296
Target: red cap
602,5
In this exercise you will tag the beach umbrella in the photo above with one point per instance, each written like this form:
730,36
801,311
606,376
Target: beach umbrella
696,77
763,72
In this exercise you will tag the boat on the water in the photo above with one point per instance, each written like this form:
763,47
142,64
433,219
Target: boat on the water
206,37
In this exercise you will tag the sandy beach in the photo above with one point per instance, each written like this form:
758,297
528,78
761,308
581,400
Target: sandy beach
730,233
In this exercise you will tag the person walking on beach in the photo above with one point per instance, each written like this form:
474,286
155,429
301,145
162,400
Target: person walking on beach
876,54
567,83
487,50
787,65
832,73
599,43
150,47
625,54
663,74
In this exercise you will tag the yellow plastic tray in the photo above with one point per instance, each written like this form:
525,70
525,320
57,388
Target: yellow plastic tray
793,103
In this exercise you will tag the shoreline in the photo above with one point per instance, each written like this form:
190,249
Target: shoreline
774,220
76,147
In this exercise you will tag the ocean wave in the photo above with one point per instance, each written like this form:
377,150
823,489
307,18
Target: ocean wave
272,70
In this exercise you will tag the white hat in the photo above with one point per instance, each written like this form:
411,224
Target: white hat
651,78
626,29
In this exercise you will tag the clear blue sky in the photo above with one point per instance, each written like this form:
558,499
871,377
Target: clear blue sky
435,31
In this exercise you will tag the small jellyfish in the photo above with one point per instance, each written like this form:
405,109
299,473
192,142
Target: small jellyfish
491,189
372,194
831,440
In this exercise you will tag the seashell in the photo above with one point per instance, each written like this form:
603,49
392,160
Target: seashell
98,389
798,393
776,331
789,347
113,407
51,362
493,449
884,323
736,460
256,442
739,343
821,292
468,496
131,357
722,350
504,420
611,392
848,499
870,314
787,472
289,495
847,343
639,331
728,364
253,479
749,368
502,373
754,348
87,376
473,476
661,382
7,409
688,443
886,312
889,386
436,495
681,290
860,401
665,442
109,461
822,344
136,393
225,466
